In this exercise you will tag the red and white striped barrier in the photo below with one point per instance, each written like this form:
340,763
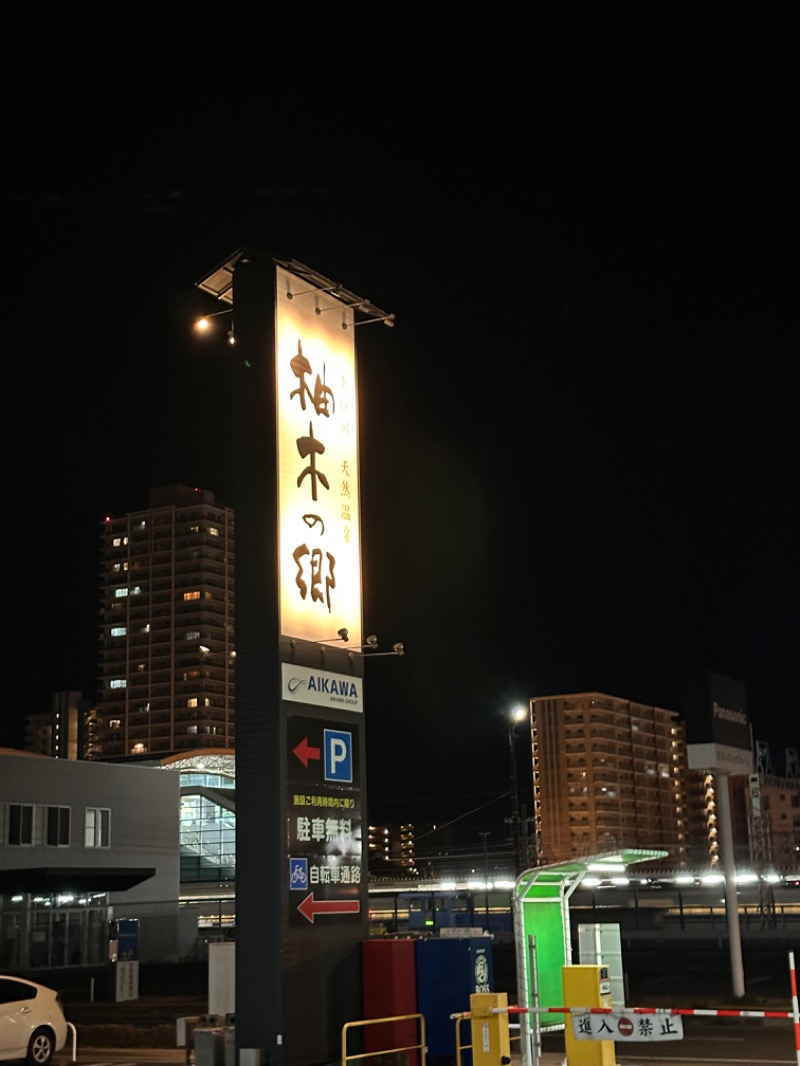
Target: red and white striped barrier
697,1012
691,1011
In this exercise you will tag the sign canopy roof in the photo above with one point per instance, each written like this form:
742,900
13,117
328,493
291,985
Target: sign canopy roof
571,872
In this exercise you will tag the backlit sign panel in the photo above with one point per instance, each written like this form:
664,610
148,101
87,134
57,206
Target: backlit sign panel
725,736
321,688
318,474
326,871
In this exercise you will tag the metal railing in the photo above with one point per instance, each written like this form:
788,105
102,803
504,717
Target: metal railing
420,1046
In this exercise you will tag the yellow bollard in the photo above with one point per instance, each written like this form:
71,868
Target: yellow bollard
586,986
490,1040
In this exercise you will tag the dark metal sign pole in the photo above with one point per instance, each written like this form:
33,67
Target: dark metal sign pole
260,831
301,868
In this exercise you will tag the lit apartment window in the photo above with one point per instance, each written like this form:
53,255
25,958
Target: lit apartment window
118,682
114,723
191,595
138,749
192,702
119,631
120,593
98,827
193,635
58,827
213,531
20,824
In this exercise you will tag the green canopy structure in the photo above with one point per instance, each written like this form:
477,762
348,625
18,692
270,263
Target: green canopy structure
542,936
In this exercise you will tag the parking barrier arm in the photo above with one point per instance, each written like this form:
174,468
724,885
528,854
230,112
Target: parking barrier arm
695,1011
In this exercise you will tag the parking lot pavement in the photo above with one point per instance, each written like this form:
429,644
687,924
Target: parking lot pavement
171,1057
92,1056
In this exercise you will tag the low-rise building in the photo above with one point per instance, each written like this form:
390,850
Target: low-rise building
82,844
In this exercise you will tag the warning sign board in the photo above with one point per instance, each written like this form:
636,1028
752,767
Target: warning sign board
622,1026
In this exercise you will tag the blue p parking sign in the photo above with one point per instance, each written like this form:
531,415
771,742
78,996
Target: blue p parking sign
338,756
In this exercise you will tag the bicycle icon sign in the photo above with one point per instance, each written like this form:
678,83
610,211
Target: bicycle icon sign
298,874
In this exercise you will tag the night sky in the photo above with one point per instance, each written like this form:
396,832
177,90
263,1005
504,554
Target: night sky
579,442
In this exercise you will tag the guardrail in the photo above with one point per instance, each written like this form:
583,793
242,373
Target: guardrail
420,1046
780,917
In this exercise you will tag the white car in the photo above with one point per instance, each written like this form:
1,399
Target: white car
32,1022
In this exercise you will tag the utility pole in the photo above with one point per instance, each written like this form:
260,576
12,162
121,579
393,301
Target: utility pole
514,718
485,834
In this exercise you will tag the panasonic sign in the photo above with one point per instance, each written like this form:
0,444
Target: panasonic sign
730,724
729,715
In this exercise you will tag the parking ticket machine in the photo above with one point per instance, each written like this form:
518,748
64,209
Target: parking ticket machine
587,986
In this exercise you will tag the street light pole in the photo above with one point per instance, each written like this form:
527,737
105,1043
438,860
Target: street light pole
514,718
485,834
729,867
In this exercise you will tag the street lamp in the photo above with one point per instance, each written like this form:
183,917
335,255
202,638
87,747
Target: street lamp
514,717
486,834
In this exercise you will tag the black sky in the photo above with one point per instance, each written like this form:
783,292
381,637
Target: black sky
579,443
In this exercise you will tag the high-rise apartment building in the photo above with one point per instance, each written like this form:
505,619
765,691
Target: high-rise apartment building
390,850
166,654
608,773
59,734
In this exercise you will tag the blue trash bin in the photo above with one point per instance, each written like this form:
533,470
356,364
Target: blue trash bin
449,971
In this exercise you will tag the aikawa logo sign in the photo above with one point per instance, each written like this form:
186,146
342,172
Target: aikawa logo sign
321,688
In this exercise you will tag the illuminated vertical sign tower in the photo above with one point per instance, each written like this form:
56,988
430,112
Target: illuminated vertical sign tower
319,544
301,907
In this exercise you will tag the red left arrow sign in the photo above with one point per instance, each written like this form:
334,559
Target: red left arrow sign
304,751
311,907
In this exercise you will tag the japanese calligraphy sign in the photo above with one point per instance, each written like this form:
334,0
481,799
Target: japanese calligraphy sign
319,520
622,1025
